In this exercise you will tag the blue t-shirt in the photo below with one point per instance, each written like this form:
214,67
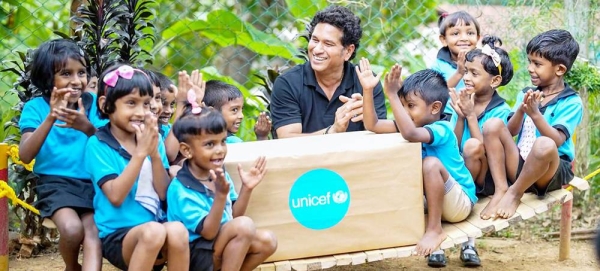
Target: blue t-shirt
189,201
497,108
564,113
447,68
444,146
232,138
62,151
164,130
105,160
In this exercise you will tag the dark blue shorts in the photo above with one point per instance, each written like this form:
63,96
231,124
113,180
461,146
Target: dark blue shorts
112,249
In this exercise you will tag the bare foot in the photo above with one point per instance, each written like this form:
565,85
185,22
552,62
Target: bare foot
430,242
490,209
508,205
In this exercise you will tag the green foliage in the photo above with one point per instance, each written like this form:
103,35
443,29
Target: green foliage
98,22
136,28
305,8
226,29
584,75
521,78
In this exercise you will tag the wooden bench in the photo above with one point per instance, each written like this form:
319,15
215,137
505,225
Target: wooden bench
458,233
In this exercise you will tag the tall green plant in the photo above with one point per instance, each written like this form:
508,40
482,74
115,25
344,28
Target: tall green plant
99,24
136,28
20,179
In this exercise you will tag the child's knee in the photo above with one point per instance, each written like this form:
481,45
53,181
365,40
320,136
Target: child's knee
71,230
430,164
268,241
473,149
177,234
153,235
543,147
493,126
243,226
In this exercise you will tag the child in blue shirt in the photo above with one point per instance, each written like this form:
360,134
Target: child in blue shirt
54,130
485,70
459,33
544,118
448,185
229,100
203,198
167,94
156,102
128,165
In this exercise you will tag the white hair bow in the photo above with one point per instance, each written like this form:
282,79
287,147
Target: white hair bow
487,50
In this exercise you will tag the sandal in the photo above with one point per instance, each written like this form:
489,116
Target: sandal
436,260
470,259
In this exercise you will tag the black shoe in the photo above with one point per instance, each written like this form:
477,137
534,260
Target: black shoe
469,259
436,260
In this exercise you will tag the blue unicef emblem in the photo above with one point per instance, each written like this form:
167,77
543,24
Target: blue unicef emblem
319,199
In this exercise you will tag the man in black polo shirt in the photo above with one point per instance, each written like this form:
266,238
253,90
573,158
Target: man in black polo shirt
324,96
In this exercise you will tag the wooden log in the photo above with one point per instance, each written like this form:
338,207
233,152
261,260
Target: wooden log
469,229
374,255
343,259
283,266
328,262
405,251
266,267
358,258
458,236
564,249
580,184
389,253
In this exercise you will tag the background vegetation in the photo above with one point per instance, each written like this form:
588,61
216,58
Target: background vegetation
240,42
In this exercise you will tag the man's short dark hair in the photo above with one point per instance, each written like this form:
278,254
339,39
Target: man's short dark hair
556,45
343,19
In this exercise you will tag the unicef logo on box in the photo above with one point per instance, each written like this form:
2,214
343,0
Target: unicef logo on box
319,199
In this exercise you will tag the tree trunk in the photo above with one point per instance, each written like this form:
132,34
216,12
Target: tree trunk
582,146
578,22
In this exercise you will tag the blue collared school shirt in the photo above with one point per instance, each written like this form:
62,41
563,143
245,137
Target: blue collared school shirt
164,130
447,68
497,108
105,160
62,152
564,113
444,146
232,138
190,201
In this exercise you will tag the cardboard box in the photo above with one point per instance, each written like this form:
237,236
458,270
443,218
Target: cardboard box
335,193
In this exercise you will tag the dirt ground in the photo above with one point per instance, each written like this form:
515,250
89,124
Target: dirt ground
496,254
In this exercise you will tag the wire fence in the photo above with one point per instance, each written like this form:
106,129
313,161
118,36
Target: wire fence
240,39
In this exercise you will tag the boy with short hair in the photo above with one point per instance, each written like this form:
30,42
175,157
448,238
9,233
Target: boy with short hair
228,99
448,185
544,118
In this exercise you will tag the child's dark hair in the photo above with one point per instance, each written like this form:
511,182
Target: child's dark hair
92,72
429,84
50,58
164,81
219,93
451,20
488,64
153,77
208,121
123,87
556,45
